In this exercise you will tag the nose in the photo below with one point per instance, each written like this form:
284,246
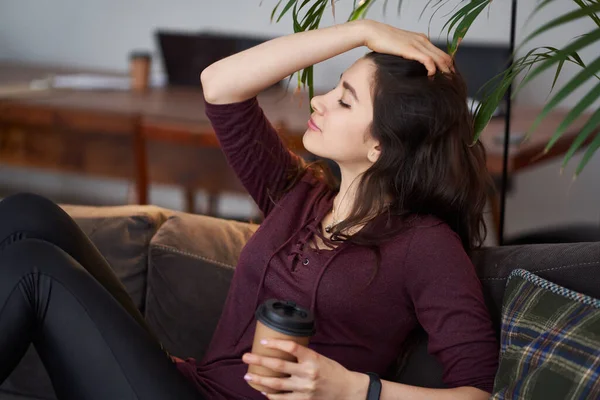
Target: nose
317,104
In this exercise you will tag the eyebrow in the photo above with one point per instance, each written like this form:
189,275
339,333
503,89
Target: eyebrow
349,87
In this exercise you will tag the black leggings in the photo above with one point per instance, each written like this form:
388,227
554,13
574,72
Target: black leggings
58,292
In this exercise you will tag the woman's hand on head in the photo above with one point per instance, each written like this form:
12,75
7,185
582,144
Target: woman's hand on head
313,377
383,38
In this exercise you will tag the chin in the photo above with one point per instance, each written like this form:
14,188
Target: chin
312,145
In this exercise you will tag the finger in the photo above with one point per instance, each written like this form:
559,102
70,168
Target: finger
286,396
276,364
437,55
291,347
421,37
278,384
446,58
427,60
444,61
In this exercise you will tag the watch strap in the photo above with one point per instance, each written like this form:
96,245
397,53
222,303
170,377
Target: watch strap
374,386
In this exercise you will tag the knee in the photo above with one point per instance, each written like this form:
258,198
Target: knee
30,255
26,261
26,198
26,202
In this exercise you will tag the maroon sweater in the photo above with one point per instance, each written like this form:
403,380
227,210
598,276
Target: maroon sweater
425,277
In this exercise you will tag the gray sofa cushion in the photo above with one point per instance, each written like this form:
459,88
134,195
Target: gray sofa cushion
122,234
574,266
192,259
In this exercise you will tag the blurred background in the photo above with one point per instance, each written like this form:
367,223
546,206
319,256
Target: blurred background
62,37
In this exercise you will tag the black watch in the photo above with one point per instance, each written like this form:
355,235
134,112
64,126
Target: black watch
374,386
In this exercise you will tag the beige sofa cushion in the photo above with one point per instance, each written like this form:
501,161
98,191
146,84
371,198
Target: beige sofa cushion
192,259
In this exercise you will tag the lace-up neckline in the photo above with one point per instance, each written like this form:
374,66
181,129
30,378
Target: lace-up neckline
308,242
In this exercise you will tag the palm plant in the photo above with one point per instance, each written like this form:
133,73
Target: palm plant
307,14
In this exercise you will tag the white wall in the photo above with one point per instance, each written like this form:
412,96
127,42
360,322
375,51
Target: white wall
101,33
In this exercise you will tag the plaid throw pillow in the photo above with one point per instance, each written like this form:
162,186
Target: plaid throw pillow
550,344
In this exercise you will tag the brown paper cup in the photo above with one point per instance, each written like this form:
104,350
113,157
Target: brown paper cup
264,332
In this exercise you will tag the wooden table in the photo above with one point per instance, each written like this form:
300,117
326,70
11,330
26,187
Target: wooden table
164,136
161,136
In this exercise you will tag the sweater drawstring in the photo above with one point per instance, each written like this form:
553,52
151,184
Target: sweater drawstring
264,277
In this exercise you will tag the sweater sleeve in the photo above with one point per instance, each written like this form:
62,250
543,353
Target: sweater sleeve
253,149
448,301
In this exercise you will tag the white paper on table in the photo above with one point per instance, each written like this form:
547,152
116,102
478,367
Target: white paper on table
85,81
90,81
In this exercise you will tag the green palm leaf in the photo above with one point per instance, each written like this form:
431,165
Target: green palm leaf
573,84
483,113
563,19
541,5
592,15
289,5
574,58
314,13
545,60
304,3
551,52
296,23
361,11
437,2
578,44
588,154
585,132
463,19
436,8
493,91
573,114
275,10
385,4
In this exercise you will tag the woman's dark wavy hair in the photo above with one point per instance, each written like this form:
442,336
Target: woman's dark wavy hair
428,163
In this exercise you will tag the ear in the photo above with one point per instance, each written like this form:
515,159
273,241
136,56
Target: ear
374,153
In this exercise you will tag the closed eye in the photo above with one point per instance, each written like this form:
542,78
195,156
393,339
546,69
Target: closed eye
343,104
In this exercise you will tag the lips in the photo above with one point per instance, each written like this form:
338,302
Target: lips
313,126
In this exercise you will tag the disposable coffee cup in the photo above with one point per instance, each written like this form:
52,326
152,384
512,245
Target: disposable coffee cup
139,70
279,319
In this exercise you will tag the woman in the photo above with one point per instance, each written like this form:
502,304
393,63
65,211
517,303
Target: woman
372,259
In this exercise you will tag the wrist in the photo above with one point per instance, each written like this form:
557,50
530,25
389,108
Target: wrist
362,29
359,386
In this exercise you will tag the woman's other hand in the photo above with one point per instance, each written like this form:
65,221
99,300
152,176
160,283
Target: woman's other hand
383,38
313,377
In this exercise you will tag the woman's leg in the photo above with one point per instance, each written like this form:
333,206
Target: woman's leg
89,344
28,215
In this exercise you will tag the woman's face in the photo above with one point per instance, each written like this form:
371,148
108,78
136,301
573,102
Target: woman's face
339,126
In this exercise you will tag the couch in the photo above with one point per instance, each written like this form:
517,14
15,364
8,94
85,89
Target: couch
177,267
